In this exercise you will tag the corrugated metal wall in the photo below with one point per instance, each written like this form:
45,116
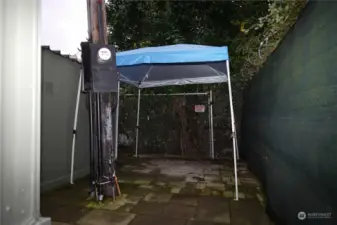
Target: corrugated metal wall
59,89
289,127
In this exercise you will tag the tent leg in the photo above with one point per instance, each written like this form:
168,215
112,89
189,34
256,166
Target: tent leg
137,126
211,123
233,132
116,122
74,129
237,146
92,142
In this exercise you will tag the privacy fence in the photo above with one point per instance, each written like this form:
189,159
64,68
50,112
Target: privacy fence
165,118
289,123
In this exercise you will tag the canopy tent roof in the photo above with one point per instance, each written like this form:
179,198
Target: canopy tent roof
173,65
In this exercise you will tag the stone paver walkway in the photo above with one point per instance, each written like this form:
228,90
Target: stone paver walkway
166,192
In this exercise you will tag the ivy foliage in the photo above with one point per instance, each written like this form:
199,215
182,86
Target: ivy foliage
135,24
251,30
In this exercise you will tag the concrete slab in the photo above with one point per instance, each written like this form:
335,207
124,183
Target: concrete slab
226,179
126,208
249,181
232,181
228,194
179,211
185,200
146,186
156,220
159,183
243,173
140,192
197,222
248,212
128,167
227,173
250,196
213,209
212,178
260,198
67,196
158,197
154,206
133,199
241,164
64,213
180,184
216,193
215,166
57,223
144,171
206,191
190,189
142,182
248,189
148,208
212,172
216,185
200,185
125,181
192,178
175,190
106,217
114,205
241,195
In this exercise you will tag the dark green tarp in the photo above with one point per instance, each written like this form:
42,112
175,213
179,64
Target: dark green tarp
289,124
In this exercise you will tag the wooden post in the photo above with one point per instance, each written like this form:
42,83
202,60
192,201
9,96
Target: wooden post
93,23
98,34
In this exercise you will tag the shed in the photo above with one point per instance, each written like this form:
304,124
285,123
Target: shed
59,85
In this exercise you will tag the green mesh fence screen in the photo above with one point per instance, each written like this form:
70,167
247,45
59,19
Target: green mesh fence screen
169,126
289,122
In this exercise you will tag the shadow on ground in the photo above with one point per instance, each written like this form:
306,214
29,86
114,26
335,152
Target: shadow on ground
166,192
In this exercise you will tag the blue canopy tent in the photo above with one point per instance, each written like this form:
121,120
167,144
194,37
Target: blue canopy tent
173,65
177,65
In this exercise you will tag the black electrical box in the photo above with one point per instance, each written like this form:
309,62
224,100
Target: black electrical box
99,67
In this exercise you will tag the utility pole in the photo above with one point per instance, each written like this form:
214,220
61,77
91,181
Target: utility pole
103,104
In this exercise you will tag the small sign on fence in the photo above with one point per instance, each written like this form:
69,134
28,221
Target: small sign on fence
199,108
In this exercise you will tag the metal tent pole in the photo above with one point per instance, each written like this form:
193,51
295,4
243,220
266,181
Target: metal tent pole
74,129
212,127
92,144
233,131
137,125
237,146
100,166
209,127
116,121
170,94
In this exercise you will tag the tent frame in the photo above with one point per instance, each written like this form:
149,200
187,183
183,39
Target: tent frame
210,115
233,126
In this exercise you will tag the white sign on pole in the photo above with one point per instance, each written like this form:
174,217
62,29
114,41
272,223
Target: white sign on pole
199,108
